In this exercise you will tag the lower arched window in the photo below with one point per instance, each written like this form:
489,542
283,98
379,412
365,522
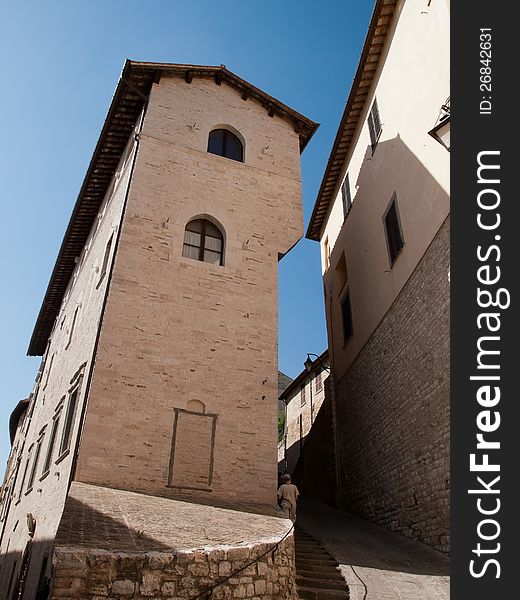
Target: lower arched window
203,241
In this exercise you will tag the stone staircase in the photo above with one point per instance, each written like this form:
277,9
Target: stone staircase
317,573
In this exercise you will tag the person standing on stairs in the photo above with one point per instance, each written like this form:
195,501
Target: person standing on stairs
287,497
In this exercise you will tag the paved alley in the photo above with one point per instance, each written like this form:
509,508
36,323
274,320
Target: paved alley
377,564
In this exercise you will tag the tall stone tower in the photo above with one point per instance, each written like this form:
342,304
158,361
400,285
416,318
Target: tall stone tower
159,324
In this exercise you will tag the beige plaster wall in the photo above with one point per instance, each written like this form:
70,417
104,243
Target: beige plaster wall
412,83
178,330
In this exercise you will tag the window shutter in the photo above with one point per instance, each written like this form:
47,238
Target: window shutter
374,124
373,136
377,120
345,194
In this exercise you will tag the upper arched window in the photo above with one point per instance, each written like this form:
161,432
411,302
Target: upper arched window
225,143
203,241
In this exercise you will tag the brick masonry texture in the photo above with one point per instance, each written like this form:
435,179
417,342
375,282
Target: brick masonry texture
66,354
179,391
314,471
177,330
118,544
393,418
393,410
95,574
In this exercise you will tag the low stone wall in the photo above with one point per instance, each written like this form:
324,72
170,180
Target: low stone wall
98,574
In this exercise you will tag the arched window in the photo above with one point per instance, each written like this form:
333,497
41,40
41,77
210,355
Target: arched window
225,143
203,241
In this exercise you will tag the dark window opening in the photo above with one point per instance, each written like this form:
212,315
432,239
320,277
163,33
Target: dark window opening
106,256
225,143
374,124
69,421
30,482
345,195
341,274
346,317
20,491
48,372
203,241
394,234
319,382
52,441
71,331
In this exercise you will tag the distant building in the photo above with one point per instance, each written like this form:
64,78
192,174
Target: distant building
302,401
382,220
283,381
163,297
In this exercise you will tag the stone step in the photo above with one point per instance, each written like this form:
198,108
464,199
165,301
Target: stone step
333,574
316,565
322,584
311,567
317,571
312,551
317,556
308,545
317,594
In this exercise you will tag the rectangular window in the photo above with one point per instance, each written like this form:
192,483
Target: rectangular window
26,468
48,372
302,395
393,231
374,124
30,481
319,382
52,441
69,421
340,273
106,256
73,324
8,493
345,195
346,317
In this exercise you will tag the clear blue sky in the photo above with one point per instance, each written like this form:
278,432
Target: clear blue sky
61,62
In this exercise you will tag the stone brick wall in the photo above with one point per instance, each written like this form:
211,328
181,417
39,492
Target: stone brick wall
68,356
314,472
178,330
300,417
393,410
96,574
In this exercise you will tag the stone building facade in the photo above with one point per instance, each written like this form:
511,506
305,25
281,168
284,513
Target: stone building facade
382,220
302,401
164,294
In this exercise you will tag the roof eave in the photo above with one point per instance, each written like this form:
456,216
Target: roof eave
304,375
128,100
373,45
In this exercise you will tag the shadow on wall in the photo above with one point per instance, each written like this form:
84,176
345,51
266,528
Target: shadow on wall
314,473
392,403
24,574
